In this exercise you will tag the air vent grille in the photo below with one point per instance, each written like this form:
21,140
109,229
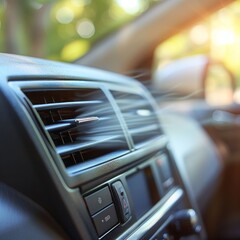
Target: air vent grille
81,123
139,116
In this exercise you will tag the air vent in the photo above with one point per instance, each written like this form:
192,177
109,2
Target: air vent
139,116
81,123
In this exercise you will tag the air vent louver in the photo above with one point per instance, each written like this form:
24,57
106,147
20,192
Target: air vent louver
139,116
81,123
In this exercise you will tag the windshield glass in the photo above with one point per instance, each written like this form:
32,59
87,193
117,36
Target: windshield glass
62,30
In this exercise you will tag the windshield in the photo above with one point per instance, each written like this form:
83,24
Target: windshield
62,30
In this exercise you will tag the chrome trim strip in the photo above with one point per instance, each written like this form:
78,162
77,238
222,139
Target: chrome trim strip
146,226
69,124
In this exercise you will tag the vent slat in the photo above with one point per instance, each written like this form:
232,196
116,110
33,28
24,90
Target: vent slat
71,148
62,105
144,129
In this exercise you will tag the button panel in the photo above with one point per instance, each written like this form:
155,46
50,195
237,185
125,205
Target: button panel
105,220
122,200
98,200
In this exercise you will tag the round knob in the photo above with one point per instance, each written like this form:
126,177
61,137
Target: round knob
185,223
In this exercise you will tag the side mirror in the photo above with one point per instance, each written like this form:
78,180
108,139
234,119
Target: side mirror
196,77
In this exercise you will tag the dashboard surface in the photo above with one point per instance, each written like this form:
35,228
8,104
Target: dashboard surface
85,154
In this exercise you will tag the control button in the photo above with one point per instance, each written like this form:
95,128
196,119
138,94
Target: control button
122,201
105,220
98,200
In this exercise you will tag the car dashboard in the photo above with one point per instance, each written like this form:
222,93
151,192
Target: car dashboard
87,154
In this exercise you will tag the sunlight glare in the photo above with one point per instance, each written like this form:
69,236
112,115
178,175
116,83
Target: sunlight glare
80,3
199,34
222,37
85,28
130,6
236,96
64,15
74,50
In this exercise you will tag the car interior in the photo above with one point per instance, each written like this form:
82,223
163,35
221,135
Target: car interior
116,145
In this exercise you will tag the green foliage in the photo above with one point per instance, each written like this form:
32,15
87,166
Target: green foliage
61,30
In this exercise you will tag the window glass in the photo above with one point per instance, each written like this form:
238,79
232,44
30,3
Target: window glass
64,29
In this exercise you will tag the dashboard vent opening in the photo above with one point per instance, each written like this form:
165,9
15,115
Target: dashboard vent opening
81,123
139,116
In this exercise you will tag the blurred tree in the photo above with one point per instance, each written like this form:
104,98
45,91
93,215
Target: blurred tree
25,26
11,28
64,29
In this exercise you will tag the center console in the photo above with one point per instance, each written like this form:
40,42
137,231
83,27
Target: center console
145,202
